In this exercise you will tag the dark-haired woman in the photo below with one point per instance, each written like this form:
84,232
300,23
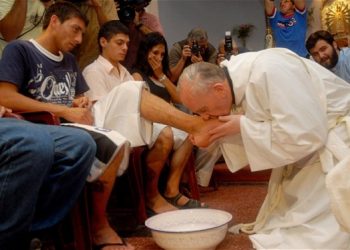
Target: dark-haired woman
152,66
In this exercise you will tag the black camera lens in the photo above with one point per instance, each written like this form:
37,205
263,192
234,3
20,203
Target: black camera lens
127,9
195,48
126,14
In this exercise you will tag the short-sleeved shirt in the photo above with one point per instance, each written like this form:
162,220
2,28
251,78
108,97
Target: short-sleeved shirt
33,21
102,77
40,74
342,69
290,31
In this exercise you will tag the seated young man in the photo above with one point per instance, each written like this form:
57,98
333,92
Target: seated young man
106,73
42,172
40,75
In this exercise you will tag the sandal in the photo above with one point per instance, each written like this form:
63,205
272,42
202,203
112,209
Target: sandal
101,246
150,212
191,203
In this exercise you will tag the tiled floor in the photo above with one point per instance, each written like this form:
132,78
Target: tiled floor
241,200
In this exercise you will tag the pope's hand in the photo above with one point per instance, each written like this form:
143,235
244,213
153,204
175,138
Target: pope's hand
201,137
230,125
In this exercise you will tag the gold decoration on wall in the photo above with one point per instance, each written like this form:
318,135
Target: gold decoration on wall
336,18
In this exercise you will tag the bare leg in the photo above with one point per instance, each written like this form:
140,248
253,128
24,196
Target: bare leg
156,109
155,160
101,191
177,166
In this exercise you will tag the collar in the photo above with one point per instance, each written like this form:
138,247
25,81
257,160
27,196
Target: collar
229,79
288,15
47,53
105,63
109,67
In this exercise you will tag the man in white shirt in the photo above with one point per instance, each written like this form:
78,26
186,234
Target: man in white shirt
106,72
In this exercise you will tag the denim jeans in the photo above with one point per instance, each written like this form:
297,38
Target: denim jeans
43,169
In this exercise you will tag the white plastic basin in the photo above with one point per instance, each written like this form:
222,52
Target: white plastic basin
195,229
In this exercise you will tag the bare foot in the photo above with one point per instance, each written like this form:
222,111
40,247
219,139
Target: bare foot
200,135
107,236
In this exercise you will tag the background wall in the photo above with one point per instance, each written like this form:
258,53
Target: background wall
178,17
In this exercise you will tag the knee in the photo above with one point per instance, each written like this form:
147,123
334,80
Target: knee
26,143
84,142
166,139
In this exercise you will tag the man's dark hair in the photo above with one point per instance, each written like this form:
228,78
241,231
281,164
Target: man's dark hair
319,35
110,29
63,10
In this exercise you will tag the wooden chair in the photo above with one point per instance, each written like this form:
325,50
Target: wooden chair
192,179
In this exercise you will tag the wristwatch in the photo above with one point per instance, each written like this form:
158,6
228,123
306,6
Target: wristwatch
162,78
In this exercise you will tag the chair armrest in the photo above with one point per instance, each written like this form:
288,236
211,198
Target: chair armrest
43,117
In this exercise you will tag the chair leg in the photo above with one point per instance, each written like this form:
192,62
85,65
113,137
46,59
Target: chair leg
81,223
136,177
192,180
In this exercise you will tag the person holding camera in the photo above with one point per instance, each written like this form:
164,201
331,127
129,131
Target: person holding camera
223,54
21,19
133,14
195,48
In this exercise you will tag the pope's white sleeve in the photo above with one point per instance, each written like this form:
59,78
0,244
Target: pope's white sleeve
284,120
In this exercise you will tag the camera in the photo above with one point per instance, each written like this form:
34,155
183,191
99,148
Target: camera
228,45
195,48
127,9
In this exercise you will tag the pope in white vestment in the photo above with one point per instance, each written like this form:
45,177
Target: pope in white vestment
294,122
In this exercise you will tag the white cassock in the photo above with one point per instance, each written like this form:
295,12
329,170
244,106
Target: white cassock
291,106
